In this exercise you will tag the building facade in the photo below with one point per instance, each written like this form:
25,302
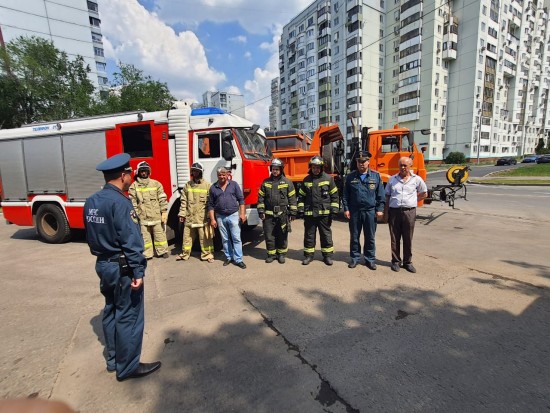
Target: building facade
476,73
230,102
73,26
275,108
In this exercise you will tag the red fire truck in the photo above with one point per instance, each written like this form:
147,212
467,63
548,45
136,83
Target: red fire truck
48,170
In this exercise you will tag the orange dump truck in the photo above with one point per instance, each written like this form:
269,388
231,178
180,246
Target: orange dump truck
295,148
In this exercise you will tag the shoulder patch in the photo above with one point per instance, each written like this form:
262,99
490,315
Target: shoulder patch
134,216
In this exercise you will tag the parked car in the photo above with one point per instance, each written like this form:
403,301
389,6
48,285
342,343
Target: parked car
507,160
544,159
530,159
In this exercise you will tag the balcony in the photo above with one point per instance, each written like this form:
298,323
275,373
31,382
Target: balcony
449,54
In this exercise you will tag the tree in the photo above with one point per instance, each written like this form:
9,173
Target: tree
455,158
41,83
540,146
132,90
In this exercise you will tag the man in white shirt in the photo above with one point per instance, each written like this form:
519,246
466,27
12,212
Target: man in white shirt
403,192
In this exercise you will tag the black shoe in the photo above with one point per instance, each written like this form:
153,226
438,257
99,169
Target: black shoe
281,259
352,264
241,265
165,255
409,268
307,260
227,262
270,259
143,370
327,261
371,265
395,266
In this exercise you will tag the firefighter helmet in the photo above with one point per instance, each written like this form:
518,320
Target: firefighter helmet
197,166
143,165
276,162
316,160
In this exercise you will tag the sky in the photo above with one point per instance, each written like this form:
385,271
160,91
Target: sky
200,45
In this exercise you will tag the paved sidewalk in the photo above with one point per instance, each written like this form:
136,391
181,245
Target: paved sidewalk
468,332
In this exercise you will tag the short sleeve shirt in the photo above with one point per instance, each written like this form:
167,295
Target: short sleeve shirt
404,194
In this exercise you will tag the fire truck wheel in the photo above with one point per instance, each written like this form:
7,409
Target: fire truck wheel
52,224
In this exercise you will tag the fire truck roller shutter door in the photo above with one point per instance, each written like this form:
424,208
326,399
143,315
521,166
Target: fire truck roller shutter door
52,224
178,126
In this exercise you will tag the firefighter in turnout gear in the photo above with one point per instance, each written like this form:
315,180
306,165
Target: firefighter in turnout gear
318,202
277,208
194,216
150,203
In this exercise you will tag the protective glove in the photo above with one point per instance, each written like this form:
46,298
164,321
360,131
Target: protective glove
164,217
292,217
262,216
300,214
334,215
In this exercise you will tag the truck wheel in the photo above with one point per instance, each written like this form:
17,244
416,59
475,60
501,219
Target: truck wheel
52,224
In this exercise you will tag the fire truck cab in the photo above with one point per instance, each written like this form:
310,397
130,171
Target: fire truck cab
48,169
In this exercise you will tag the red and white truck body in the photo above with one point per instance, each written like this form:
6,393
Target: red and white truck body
54,163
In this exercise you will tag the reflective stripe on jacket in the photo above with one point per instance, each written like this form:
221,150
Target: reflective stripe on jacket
194,196
318,195
277,192
149,200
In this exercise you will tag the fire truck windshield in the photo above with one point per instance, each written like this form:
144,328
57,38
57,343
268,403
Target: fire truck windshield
254,145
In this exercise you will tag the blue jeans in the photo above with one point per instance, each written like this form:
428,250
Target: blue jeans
231,236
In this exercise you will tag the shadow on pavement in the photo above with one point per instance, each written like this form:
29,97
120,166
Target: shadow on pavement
401,349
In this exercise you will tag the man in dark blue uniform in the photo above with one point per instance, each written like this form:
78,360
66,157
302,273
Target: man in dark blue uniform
114,236
363,201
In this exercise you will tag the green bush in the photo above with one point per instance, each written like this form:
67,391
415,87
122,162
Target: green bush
455,157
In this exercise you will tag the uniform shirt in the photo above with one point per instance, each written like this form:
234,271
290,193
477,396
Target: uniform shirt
112,227
318,195
225,202
194,197
404,194
149,200
279,192
363,192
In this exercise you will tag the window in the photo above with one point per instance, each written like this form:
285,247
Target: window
209,145
92,6
136,140
94,22
98,51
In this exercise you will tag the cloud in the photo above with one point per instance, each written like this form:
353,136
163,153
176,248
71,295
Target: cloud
239,39
142,39
253,16
134,35
258,90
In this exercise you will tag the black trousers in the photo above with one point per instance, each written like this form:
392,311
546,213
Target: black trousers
311,224
276,234
401,225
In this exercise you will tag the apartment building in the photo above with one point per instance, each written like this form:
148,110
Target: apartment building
72,25
274,108
230,102
475,73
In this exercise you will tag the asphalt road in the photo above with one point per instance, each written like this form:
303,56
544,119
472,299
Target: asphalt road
523,202
468,332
